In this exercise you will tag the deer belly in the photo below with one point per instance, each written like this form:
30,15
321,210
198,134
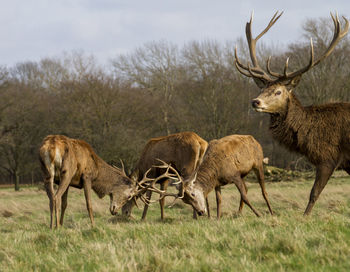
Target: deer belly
77,182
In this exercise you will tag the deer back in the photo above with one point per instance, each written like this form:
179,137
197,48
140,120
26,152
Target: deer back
184,151
227,157
60,154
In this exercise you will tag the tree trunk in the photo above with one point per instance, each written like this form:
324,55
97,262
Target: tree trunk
166,121
16,182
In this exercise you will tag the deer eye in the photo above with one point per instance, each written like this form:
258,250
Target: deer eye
193,194
278,93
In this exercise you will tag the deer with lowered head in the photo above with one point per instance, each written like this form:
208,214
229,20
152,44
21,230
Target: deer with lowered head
72,162
184,151
319,132
227,160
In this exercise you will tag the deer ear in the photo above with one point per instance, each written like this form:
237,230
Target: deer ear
191,179
293,83
194,178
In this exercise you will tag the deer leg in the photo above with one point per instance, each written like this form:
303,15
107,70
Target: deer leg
163,186
64,183
323,173
148,196
241,187
58,201
261,179
64,205
241,202
50,194
218,201
87,193
208,208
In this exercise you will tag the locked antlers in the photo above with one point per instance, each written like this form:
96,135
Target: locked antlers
149,184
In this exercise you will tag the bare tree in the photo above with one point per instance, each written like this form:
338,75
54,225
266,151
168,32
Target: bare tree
155,68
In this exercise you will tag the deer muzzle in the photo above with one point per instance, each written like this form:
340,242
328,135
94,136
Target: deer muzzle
114,209
256,103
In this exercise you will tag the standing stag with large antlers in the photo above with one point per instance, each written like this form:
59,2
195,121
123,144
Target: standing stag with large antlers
321,133
71,162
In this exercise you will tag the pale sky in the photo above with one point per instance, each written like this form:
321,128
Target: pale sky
35,29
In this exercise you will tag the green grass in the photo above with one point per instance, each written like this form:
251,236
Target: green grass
284,242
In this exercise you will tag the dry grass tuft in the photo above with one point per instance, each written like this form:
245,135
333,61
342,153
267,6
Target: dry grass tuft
7,213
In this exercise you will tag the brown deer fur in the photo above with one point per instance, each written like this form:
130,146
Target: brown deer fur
321,133
227,160
184,151
71,162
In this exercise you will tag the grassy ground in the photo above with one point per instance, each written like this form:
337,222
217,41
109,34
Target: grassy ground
284,242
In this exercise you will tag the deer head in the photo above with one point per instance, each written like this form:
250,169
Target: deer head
277,87
194,195
120,194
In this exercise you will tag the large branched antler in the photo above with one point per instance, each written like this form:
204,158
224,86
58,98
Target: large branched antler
261,77
149,184
255,71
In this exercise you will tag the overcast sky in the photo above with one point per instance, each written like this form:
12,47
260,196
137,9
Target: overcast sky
34,29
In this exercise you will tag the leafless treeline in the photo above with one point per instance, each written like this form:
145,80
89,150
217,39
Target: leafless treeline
156,90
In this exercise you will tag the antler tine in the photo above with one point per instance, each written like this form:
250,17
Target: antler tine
163,165
240,66
176,197
242,71
286,67
271,23
145,200
278,75
140,184
337,36
123,169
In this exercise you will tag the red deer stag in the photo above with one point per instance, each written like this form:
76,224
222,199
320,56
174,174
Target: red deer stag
184,151
227,160
321,133
71,162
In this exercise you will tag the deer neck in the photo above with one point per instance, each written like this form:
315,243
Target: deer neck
285,126
207,176
106,177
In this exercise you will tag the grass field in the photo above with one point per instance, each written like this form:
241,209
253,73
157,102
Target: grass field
284,242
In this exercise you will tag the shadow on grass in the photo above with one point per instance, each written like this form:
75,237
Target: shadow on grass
117,219
166,220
